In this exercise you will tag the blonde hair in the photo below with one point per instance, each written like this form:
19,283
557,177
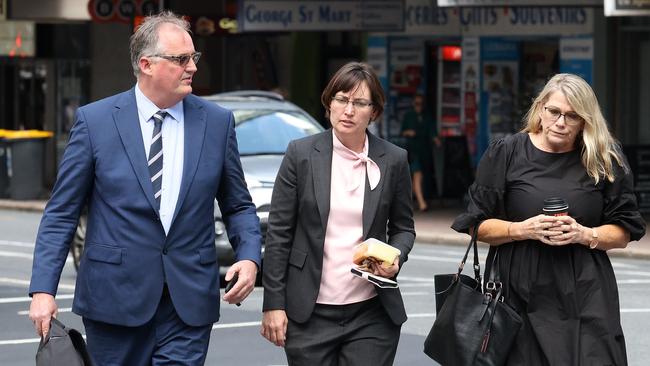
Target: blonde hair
599,148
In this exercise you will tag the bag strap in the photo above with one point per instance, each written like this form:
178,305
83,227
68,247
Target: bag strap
493,284
477,265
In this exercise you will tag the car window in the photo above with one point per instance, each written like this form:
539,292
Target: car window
270,131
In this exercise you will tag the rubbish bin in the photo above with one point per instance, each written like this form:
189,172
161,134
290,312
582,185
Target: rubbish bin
4,179
24,151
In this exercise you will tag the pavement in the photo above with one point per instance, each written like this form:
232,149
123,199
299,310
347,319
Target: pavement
432,226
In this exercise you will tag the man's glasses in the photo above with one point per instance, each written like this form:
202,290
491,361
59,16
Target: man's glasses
571,118
342,102
181,60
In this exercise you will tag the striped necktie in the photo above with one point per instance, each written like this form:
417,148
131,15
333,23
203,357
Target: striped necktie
156,156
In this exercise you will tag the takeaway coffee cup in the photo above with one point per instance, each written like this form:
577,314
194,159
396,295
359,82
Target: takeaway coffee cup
555,206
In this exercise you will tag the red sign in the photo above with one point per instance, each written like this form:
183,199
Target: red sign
451,53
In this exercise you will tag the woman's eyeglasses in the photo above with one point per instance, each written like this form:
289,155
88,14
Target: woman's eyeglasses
181,60
554,114
342,102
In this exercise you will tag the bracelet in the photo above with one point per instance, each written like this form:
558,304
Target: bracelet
593,243
510,237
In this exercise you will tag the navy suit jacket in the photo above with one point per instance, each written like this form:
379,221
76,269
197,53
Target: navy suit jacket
128,257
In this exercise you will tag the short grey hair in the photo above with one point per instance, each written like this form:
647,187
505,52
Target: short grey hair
144,40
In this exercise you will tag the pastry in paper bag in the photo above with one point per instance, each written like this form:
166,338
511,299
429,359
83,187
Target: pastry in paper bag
373,250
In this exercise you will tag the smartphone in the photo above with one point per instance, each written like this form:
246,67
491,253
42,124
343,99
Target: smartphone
231,283
374,279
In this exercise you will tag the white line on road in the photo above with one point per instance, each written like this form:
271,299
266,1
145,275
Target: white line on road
60,310
19,341
433,315
235,325
25,283
28,256
20,244
4,253
9,300
435,258
631,282
215,326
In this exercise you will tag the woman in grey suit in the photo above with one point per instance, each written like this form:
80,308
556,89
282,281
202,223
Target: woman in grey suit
333,191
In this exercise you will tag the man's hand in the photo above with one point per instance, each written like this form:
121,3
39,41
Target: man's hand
41,311
274,326
247,272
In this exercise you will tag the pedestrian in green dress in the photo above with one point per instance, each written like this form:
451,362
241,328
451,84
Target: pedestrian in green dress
420,130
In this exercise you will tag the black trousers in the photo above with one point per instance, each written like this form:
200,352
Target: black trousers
343,335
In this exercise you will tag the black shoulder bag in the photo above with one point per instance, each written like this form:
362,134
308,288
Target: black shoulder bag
472,326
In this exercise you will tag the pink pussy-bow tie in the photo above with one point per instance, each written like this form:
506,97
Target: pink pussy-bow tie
371,168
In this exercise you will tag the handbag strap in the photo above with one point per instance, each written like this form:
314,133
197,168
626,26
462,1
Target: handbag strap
477,265
493,284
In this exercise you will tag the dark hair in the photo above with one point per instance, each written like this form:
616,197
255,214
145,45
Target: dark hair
350,76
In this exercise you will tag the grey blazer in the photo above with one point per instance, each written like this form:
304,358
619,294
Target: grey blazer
293,258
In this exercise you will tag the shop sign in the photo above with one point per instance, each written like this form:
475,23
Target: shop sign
426,18
361,15
627,7
576,56
449,3
423,17
524,20
17,39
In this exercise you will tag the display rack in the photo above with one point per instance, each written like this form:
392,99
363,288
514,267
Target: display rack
449,91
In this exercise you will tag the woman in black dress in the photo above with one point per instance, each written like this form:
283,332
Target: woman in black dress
555,270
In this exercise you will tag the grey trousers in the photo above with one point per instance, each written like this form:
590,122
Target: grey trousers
343,335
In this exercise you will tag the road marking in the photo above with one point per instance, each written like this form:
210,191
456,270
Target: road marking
19,341
25,283
631,282
434,259
415,279
635,273
422,315
20,244
215,326
9,300
236,325
16,255
433,315
60,310
635,310
416,293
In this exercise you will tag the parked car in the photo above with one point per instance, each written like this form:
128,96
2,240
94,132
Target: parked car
265,124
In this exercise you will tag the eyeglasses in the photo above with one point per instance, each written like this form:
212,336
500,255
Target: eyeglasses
181,60
342,102
554,114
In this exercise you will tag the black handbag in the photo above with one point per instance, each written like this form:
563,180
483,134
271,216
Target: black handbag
473,326
62,346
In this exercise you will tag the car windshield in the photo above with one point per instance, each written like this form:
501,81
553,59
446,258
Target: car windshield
262,132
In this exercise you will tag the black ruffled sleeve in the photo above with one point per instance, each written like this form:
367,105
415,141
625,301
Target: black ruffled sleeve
487,192
620,205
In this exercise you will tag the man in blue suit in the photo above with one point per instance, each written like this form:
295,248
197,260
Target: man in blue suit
149,163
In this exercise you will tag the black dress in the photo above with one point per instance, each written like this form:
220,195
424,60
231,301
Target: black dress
567,295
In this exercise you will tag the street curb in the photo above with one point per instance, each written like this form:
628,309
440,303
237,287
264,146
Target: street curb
23,205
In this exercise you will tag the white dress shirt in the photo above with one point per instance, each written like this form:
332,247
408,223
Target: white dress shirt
173,133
